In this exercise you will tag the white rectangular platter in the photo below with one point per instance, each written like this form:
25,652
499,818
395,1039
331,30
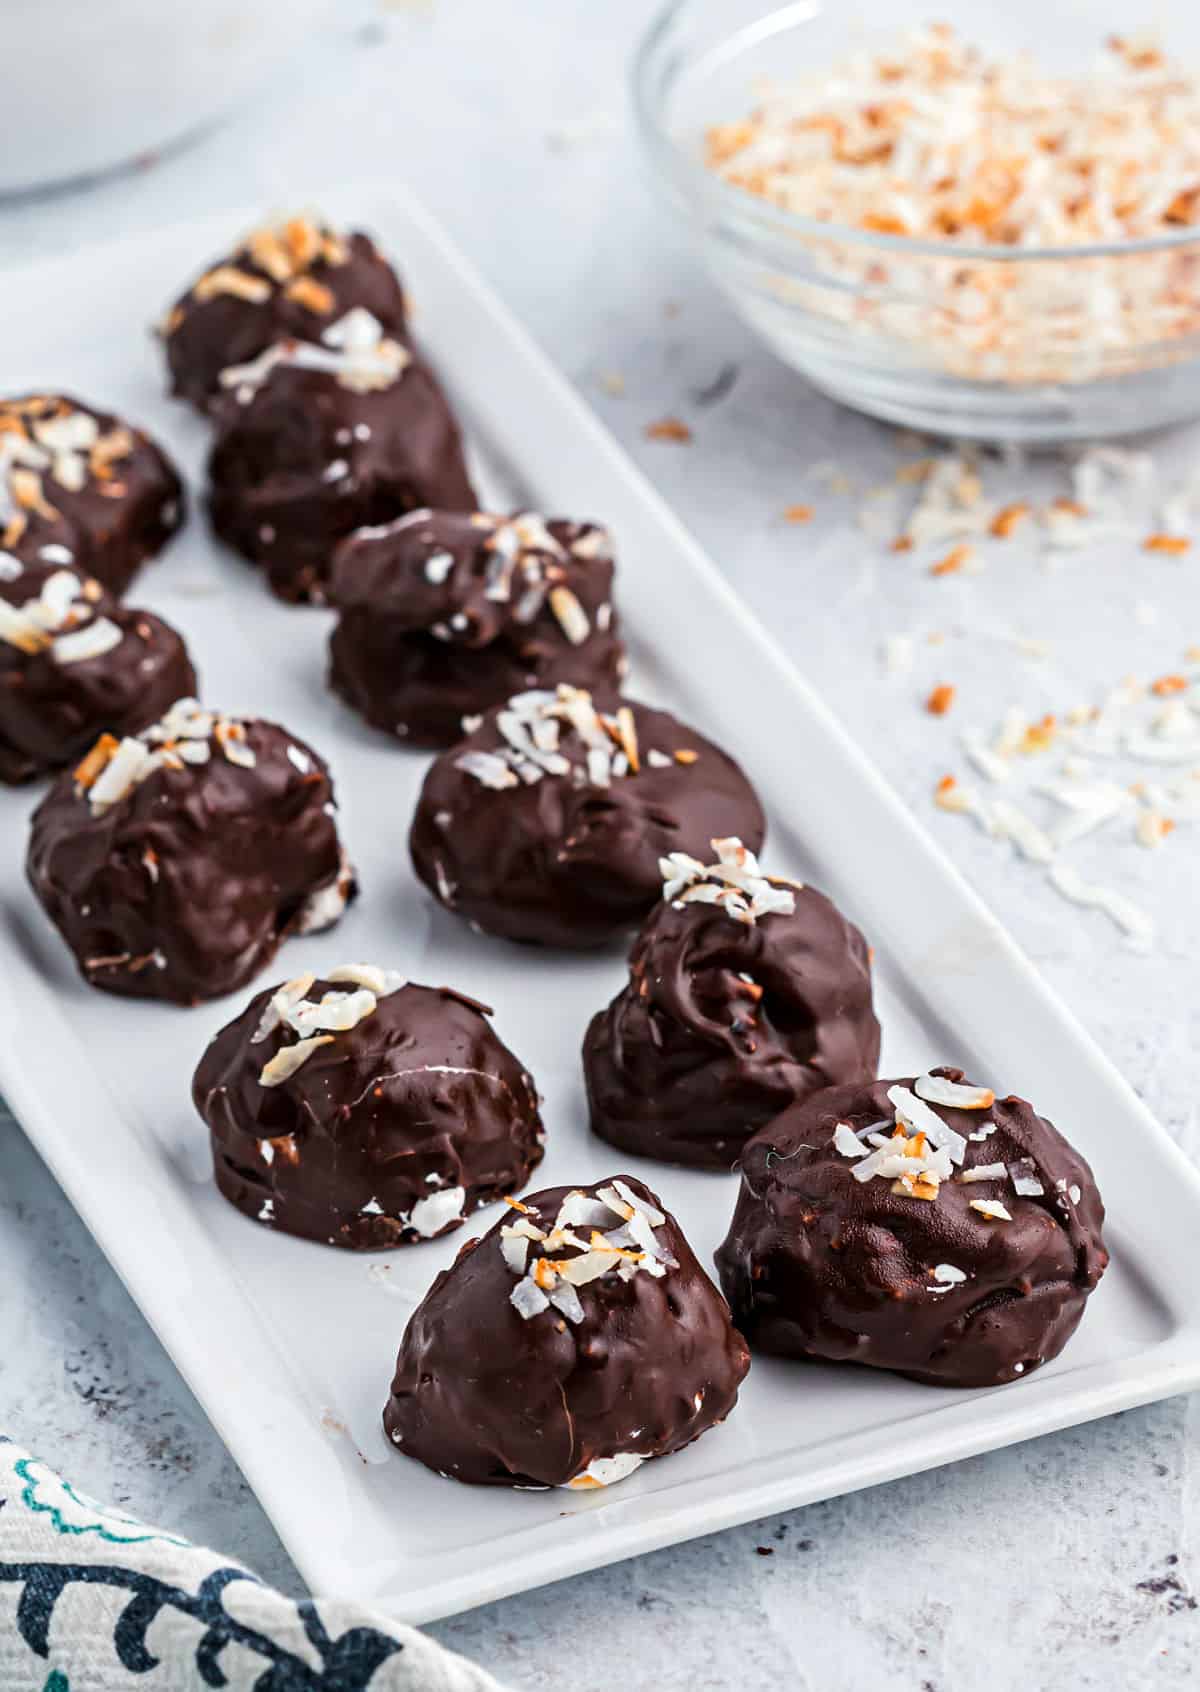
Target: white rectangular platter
290,1346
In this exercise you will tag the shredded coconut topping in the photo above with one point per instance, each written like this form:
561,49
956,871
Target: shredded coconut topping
316,1021
44,437
531,726
920,1152
355,350
735,882
936,1089
620,1240
185,735
59,618
287,252
992,1209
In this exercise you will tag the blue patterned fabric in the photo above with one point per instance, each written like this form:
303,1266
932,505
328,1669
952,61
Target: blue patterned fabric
92,1600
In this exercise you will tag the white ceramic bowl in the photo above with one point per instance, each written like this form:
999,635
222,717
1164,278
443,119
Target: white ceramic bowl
93,84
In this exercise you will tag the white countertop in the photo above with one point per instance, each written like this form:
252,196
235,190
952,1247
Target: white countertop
1065,1563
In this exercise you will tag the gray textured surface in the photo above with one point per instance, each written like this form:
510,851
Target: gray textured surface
1066,1562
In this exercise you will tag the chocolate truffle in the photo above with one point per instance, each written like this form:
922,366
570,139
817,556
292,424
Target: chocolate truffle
548,822
72,663
923,1226
364,1111
444,615
286,281
745,993
83,487
174,862
314,441
577,1339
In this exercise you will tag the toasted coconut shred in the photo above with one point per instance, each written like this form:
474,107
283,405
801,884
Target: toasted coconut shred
932,139
919,1154
526,568
734,882
605,748
317,1023
613,1233
187,735
45,442
61,620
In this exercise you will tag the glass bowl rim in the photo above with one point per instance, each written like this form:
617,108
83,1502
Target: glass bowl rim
694,180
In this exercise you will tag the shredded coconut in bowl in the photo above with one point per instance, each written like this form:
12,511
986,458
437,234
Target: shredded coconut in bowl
932,140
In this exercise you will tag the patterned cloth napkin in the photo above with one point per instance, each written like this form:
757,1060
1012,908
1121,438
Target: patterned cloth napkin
92,1600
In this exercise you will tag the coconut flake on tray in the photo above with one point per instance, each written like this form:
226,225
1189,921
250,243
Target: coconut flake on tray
1094,771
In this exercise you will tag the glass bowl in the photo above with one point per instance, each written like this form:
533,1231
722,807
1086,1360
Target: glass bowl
1091,341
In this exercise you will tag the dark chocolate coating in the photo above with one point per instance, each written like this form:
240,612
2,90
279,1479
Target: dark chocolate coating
415,656
690,1058
319,277
128,506
50,713
272,496
819,1264
419,1097
563,862
483,1395
184,888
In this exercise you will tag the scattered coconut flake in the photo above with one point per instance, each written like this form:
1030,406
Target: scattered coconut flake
280,1004
987,762
947,1274
355,350
898,651
1009,822
288,1059
735,882
570,615
914,1114
528,1299
1153,828
487,768
514,1249
438,567
335,1013
91,641
432,1213
1023,1175
606,1471
119,776
580,1210
1136,924
992,1209
984,1172
846,1141
567,1302
956,1095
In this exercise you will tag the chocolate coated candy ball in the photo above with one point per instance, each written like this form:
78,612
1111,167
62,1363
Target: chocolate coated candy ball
921,1225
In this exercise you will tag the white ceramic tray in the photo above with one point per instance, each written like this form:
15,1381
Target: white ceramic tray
290,1346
